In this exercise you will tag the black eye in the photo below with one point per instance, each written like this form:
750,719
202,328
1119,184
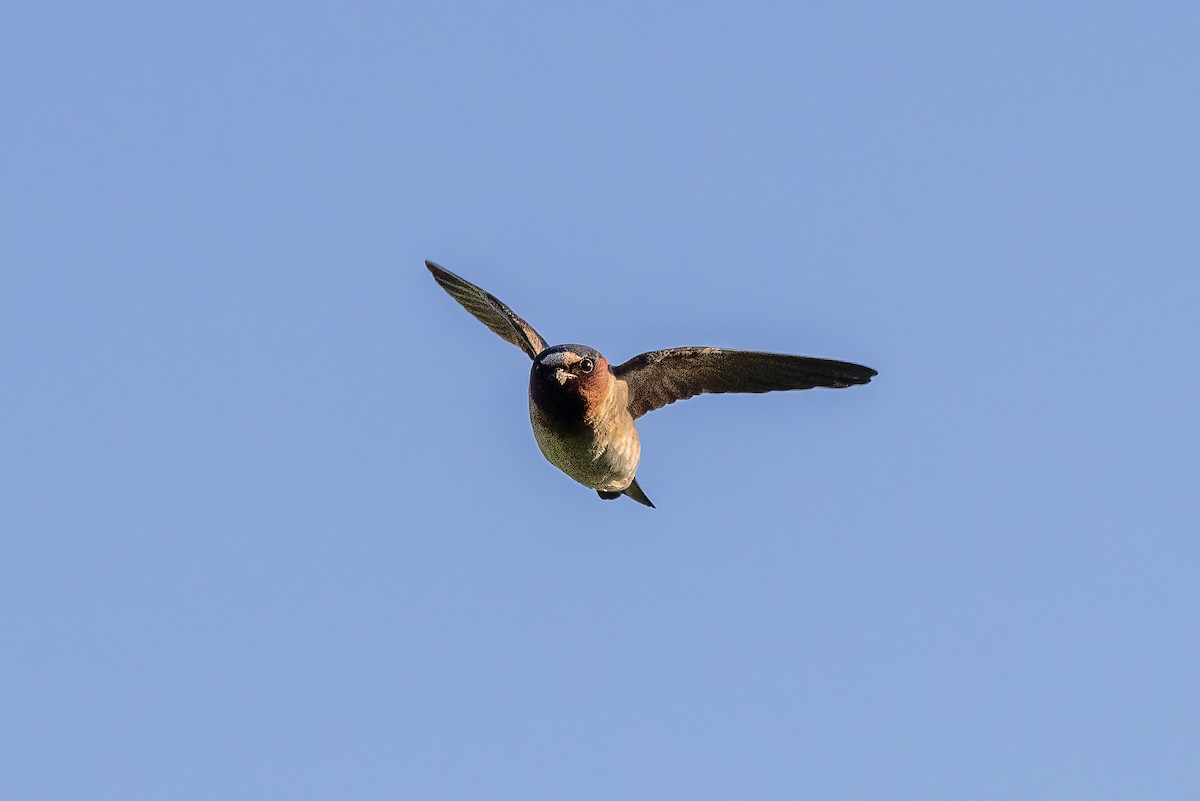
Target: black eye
586,365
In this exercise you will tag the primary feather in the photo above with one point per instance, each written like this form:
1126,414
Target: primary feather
661,377
490,311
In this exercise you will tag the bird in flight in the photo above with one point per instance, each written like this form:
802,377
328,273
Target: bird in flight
582,408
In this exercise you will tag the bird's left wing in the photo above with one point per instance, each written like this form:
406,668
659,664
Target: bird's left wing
665,376
488,309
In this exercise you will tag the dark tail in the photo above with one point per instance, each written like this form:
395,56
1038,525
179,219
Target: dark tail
635,492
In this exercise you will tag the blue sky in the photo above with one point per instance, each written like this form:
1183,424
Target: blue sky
275,526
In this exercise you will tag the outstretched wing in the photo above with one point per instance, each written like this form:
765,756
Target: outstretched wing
488,309
665,376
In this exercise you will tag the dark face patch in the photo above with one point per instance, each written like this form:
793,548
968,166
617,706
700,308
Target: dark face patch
560,404
567,404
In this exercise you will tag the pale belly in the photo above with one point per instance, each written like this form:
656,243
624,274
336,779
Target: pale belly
605,460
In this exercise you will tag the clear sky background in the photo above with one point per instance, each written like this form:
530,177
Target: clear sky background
274,525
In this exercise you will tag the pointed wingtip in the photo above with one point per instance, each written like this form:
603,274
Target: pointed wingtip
440,274
857,374
862,378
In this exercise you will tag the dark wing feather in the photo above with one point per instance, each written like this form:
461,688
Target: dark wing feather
665,376
488,309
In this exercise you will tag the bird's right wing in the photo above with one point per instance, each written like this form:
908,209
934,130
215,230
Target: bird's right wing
665,376
488,309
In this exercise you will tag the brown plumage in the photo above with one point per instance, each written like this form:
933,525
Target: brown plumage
490,311
582,410
665,376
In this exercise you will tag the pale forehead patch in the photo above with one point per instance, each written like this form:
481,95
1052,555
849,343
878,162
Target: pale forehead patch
566,357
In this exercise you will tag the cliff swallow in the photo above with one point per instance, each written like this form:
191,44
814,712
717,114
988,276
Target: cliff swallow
582,408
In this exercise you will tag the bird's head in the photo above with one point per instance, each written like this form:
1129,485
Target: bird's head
570,382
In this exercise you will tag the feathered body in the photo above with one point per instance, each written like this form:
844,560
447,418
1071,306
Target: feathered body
581,421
